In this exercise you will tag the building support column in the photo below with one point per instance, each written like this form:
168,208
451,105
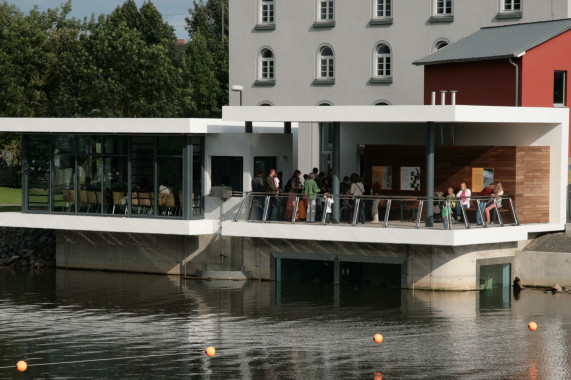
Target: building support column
429,173
187,157
336,165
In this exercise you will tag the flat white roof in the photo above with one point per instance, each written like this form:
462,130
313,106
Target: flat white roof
397,114
376,234
131,126
109,224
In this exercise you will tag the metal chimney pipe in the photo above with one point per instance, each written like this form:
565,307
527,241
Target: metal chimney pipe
433,98
453,97
443,97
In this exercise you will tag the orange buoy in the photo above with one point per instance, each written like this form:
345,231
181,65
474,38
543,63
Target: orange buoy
532,326
210,351
22,366
378,338
378,376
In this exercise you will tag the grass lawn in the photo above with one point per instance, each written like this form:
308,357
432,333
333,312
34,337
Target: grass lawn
10,196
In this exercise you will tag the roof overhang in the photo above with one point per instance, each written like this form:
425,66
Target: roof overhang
397,114
130,126
422,62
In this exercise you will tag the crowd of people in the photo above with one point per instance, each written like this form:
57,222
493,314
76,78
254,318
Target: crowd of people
317,202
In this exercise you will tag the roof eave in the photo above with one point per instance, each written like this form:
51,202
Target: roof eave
493,58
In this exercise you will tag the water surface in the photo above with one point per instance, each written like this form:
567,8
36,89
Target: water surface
94,325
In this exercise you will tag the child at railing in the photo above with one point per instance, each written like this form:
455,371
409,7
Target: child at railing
495,201
449,205
327,202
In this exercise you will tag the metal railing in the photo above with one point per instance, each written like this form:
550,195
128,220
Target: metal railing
382,211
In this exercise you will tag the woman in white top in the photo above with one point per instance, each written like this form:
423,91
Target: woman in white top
496,200
358,189
464,196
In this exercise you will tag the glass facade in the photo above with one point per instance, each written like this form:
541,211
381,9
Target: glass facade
114,175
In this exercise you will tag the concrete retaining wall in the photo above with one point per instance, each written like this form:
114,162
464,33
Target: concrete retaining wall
543,268
422,267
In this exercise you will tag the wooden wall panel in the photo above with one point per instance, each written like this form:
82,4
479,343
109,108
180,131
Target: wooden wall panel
532,184
519,169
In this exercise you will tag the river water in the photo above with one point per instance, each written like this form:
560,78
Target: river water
96,325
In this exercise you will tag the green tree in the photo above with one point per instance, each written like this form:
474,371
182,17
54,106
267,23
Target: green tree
207,29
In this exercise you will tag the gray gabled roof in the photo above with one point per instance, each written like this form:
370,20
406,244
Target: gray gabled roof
498,42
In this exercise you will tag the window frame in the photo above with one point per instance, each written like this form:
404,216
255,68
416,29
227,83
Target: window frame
512,4
329,10
376,57
436,6
267,64
384,19
505,13
438,42
563,88
330,64
270,18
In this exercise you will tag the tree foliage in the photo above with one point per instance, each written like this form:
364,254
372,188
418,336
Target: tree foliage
125,64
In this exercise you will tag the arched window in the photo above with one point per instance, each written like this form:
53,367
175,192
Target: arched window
265,104
267,65
326,63
440,44
383,61
382,103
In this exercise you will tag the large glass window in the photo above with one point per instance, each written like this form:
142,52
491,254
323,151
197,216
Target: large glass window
112,174
37,171
228,171
115,174
197,175
169,174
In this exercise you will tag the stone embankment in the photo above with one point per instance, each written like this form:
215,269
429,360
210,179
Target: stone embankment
25,249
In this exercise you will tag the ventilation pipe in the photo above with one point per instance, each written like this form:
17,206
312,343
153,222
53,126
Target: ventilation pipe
516,82
433,98
453,97
443,97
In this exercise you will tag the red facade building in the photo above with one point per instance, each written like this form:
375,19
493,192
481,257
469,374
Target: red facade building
523,64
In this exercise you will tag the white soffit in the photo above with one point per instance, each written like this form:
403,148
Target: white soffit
397,114
131,126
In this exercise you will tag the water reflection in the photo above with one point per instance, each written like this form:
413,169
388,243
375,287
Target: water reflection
264,330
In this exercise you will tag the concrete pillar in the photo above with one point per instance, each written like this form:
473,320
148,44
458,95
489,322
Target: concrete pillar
336,271
187,178
336,164
429,205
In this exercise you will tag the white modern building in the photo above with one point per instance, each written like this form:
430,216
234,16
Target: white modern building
120,219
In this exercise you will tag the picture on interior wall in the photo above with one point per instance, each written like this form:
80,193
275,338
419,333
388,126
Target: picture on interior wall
410,178
488,177
383,175
482,177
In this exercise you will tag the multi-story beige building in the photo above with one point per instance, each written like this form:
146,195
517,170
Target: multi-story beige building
354,52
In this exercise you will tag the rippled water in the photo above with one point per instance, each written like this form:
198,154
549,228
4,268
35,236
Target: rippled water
94,325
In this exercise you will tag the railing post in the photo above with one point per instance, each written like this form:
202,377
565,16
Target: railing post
479,211
266,207
421,203
449,213
241,207
498,212
295,209
387,210
464,215
513,211
355,212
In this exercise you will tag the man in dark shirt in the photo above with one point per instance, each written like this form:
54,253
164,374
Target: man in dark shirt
272,188
257,209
